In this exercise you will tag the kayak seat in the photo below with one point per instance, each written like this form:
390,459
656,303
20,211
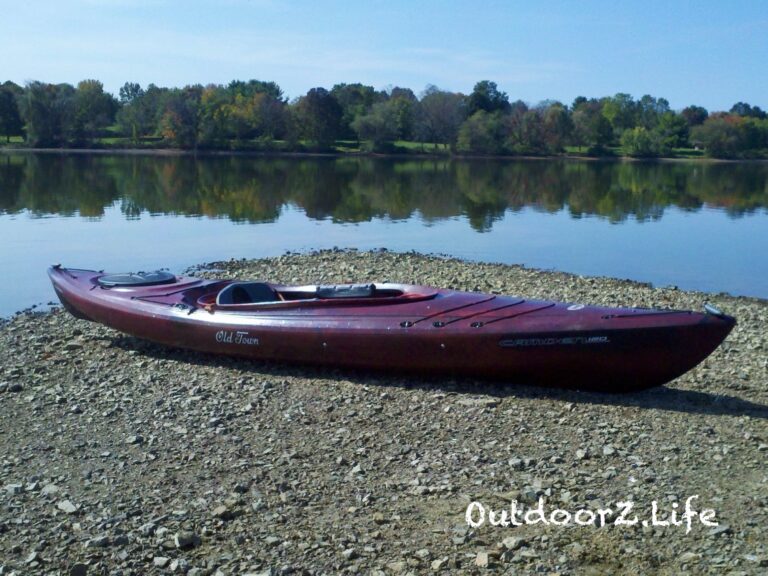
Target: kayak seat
346,291
246,293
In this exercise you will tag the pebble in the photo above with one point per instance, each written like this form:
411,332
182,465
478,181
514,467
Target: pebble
482,560
78,569
134,439
720,530
14,488
98,542
66,506
186,540
513,542
222,512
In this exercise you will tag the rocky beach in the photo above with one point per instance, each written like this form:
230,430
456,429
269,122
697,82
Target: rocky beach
118,456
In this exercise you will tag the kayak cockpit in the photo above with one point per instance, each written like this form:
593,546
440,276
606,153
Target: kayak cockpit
260,295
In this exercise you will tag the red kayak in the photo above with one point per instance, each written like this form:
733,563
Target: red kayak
401,327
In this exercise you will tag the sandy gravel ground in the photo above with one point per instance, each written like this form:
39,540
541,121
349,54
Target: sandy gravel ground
121,457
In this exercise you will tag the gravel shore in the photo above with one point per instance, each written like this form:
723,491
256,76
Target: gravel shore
121,457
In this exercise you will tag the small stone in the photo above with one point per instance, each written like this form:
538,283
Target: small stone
222,512
581,454
98,542
438,564
148,529
15,387
161,561
479,402
527,555
14,488
120,540
686,557
66,506
423,554
240,488
379,518
609,450
179,564
720,530
135,439
482,560
186,540
272,540
516,463
79,569
514,542
349,554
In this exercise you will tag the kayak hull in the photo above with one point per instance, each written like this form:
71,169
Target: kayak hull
422,330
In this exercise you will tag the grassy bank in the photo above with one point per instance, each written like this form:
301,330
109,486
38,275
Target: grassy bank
352,147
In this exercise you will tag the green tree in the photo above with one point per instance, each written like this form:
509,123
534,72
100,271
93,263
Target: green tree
318,116
621,111
238,87
487,96
439,116
591,127
481,133
379,125
214,123
405,103
355,100
129,92
720,136
10,117
744,109
643,143
93,110
558,126
649,110
179,123
673,129
141,110
47,110
694,115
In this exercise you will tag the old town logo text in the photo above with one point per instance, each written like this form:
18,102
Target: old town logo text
236,337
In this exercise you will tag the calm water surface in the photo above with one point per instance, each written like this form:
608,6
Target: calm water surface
695,225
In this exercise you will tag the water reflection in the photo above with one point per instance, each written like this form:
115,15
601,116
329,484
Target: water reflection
360,189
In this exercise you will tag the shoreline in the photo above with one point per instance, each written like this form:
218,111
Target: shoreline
172,152
123,456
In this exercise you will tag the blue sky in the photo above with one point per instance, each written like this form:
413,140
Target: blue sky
709,53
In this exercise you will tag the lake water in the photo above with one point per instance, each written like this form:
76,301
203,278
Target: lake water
694,225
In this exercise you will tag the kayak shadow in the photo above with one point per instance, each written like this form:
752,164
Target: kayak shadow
659,398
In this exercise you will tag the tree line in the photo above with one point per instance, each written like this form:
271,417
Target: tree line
256,115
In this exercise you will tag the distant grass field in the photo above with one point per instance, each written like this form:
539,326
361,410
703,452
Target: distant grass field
113,140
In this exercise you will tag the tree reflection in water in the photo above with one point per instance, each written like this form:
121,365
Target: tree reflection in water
348,190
